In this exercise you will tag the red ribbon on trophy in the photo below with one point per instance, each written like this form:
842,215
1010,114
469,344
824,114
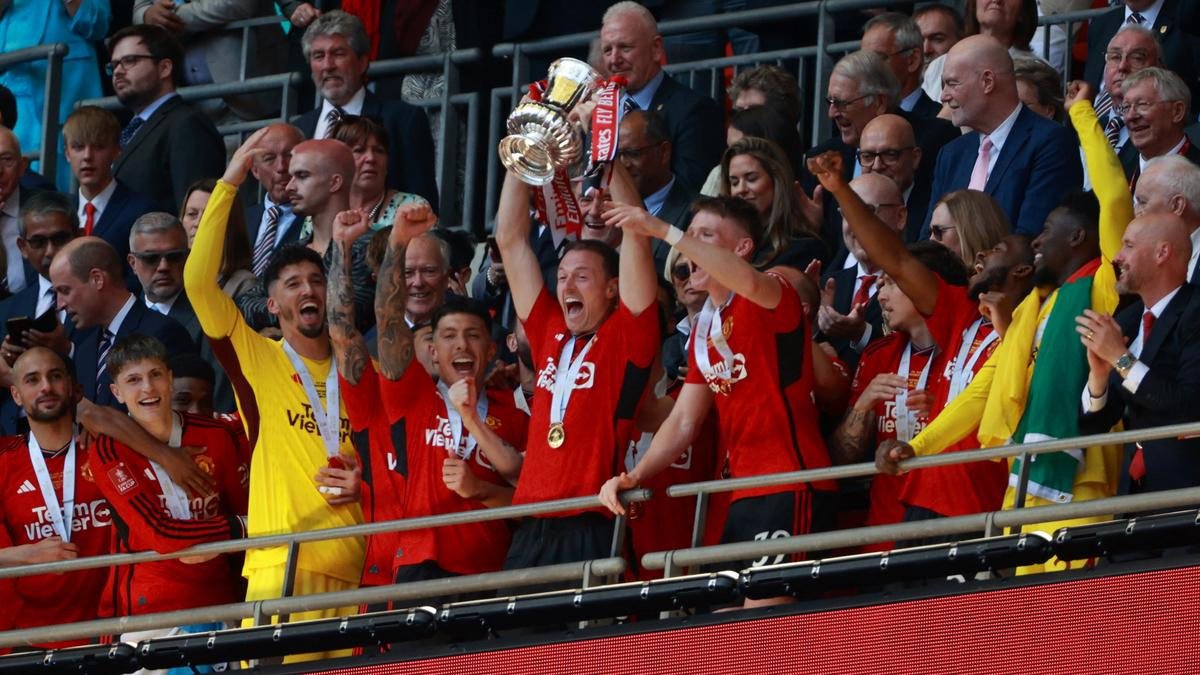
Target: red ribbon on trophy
555,202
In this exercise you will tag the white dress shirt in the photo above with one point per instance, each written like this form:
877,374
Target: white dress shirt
115,324
1138,371
998,136
286,218
10,230
100,201
353,107
163,307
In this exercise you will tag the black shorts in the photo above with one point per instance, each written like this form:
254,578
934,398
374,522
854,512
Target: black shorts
550,541
773,516
913,514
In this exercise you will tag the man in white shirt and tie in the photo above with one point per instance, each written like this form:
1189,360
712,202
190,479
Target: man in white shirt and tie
12,165
272,223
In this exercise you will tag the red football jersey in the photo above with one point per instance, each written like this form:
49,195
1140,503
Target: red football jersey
599,420
419,421
145,523
384,488
959,489
767,420
48,599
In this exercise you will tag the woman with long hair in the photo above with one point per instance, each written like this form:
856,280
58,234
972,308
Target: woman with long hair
236,277
968,222
762,122
757,171
368,142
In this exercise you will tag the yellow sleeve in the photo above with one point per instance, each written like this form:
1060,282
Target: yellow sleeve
1107,176
961,416
217,313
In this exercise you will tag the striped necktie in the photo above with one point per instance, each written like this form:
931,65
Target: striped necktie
1112,130
266,242
106,343
130,129
332,118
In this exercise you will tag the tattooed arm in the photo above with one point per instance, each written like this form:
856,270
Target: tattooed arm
349,347
395,338
855,436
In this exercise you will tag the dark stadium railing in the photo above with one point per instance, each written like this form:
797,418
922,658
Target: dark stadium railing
53,54
671,561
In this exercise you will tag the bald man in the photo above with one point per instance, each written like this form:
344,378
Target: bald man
850,317
1022,160
272,223
89,279
1144,365
1171,184
889,147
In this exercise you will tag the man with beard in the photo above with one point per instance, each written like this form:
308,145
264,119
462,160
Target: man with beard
168,144
306,475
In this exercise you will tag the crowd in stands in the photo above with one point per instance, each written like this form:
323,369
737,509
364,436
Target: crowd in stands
979,254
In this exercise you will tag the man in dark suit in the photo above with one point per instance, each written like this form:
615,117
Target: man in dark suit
105,206
47,225
168,143
1133,48
1144,365
632,48
1155,110
1021,159
888,146
158,249
897,39
1169,184
1171,24
13,276
338,53
88,280
644,148
272,223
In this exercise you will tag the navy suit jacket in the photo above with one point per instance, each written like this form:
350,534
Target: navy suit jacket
1129,160
1038,164
696,125
926,107
141,320
254,214
1166,395
125,206
410,157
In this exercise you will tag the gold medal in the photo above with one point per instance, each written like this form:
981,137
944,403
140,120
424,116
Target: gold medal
556,436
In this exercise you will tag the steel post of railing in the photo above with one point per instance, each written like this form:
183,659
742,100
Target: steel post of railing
471,169
447,159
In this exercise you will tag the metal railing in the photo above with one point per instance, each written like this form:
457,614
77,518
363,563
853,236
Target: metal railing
47,152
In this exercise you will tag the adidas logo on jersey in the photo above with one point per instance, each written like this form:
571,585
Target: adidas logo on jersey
25,487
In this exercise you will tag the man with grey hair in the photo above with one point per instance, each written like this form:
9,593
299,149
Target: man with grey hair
1171,184
338,52
1155,109
632,48
1020,159
897,39
1133,48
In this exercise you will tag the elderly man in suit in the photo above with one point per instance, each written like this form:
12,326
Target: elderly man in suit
1144,365
897,39
89,285
215,55
1019,158
104,205
338,52
272,223
1171,184
1133,48
168,143
632,48
1156,111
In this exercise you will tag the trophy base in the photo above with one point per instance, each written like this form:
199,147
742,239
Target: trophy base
540,141
527,159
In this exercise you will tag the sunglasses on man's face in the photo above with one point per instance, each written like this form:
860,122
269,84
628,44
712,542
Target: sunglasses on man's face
681,272
153,258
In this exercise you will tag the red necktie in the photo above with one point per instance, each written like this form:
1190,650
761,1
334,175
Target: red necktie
863,295
1137,465
89,209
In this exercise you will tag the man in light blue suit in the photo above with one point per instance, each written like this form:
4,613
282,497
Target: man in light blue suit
1022,160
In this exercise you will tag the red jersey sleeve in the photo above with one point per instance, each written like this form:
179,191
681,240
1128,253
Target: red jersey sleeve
133,497
230,470
952,313
399,396
362,399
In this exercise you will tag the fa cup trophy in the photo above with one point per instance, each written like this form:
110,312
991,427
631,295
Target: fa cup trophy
540,139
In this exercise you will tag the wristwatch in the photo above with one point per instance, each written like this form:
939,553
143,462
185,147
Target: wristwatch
1124,363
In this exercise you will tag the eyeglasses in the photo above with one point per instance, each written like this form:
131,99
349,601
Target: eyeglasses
153,258
1141,107
889,157
126,62
1137,58
939,231
681,272
59,239
841,103
634,154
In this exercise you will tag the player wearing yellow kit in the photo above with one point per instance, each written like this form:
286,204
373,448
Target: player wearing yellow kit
304,471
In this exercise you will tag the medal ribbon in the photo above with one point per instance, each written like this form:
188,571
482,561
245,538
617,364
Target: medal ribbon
176,497
709,328
329,428
456,423
964,362
904,419
564,379
61,516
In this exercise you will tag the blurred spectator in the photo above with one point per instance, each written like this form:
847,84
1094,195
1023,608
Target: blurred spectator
1155,109
1133,48
888,146
213,54
30,180
1171,184
105,206
968,222
678,271
755,170
1022,160
192,380
426,277
88,281
337,50
1039,87
158,249
368,142
462,253
235,277
12,165
1171,22
770,86
168,143
272,223
27,23
632,48
1009,22
645,150
897,40
763,121
941,27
